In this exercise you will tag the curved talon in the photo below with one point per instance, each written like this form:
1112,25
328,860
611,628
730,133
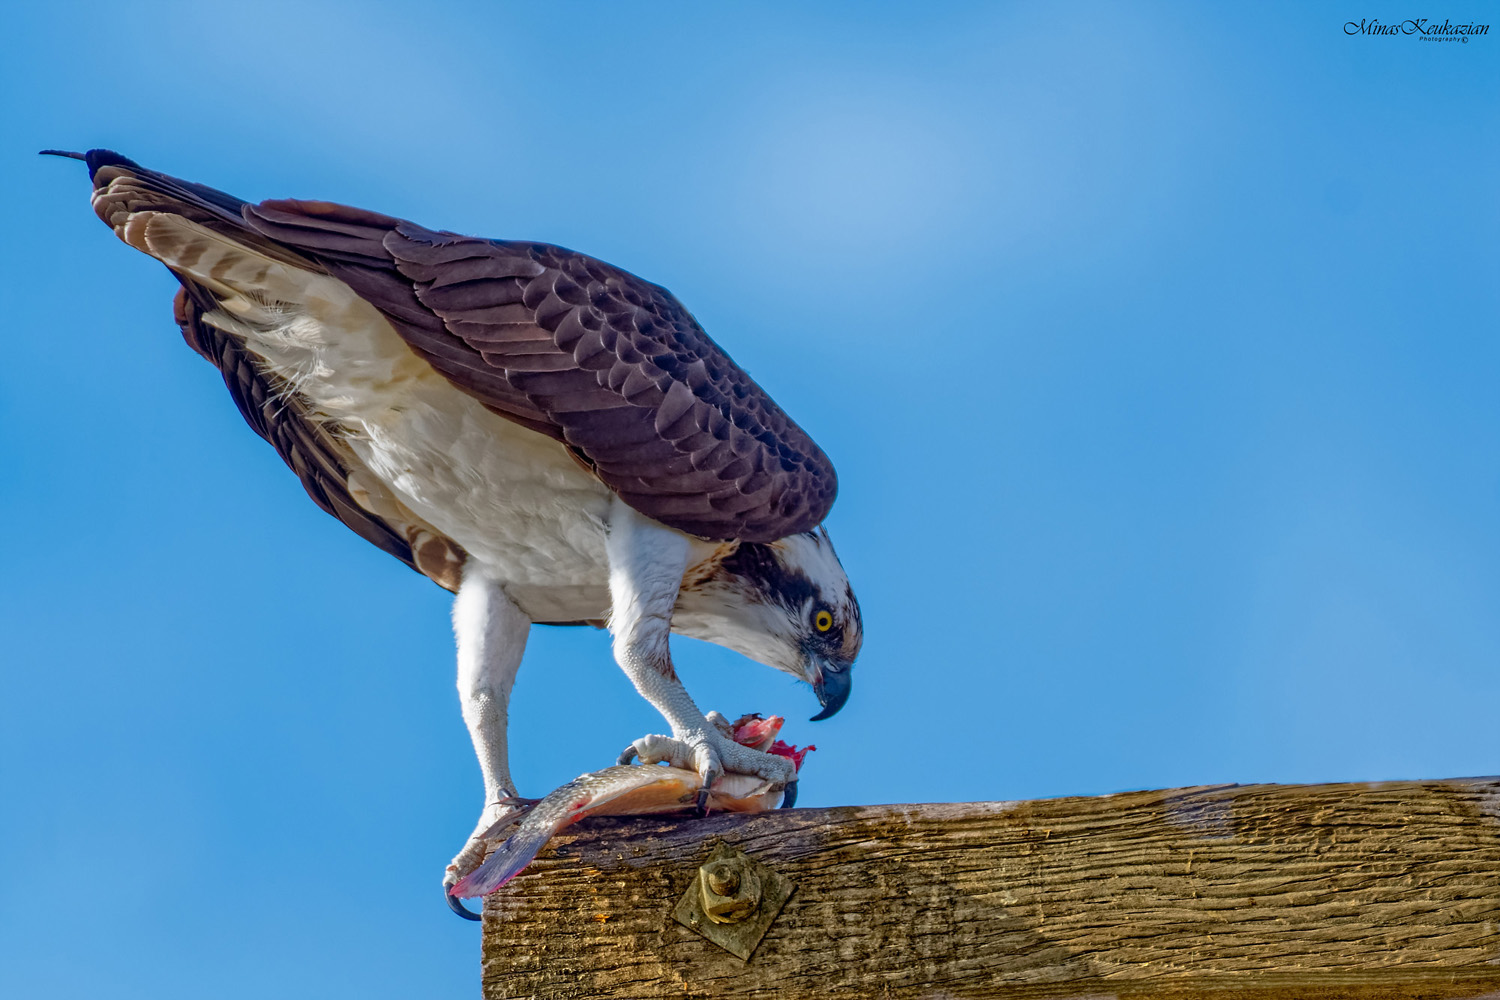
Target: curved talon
457,906
788,795
518,801
627,755
702,802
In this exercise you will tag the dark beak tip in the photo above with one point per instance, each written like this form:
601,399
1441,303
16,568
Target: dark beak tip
832,689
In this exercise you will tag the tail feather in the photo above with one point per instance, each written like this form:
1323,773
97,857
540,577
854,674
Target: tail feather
124,189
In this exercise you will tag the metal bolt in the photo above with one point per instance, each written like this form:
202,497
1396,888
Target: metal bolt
732,900
730,891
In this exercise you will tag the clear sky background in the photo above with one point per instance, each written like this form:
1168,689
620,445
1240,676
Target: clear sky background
1157,347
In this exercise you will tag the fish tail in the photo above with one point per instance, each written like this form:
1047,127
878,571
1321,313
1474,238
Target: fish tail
504,863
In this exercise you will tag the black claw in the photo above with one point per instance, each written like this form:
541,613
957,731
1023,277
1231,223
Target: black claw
628,754
457,906
518,801
702,802
789,795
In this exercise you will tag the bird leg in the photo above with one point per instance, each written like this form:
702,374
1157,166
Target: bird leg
646,563
491,633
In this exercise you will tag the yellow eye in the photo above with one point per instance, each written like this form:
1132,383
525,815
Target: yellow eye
823,621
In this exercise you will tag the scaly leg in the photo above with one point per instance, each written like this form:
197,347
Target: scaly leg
646,563
491,633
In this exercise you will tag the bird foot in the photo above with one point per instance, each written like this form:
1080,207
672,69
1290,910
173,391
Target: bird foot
491,830
711,751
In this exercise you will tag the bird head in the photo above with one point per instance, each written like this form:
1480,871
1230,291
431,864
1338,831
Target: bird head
785,603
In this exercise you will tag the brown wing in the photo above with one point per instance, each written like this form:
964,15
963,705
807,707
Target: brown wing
310,448
586,353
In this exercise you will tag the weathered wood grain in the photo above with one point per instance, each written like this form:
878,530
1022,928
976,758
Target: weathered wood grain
1258,891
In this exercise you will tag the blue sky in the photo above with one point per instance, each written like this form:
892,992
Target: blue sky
1157,347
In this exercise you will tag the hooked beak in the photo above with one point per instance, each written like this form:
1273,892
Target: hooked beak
831,685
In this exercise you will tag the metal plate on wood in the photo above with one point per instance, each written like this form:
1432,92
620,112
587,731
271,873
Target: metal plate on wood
733,900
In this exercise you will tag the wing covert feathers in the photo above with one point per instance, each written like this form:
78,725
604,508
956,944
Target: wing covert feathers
584,352
608,364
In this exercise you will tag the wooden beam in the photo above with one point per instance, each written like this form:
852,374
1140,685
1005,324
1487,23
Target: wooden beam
1259,891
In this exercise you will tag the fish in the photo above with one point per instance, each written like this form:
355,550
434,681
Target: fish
636,790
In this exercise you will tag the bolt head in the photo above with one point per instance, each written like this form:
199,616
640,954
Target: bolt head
723,879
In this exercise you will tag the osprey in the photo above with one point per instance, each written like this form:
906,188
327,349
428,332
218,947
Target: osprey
550,437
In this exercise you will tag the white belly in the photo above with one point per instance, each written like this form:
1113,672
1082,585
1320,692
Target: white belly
515,500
